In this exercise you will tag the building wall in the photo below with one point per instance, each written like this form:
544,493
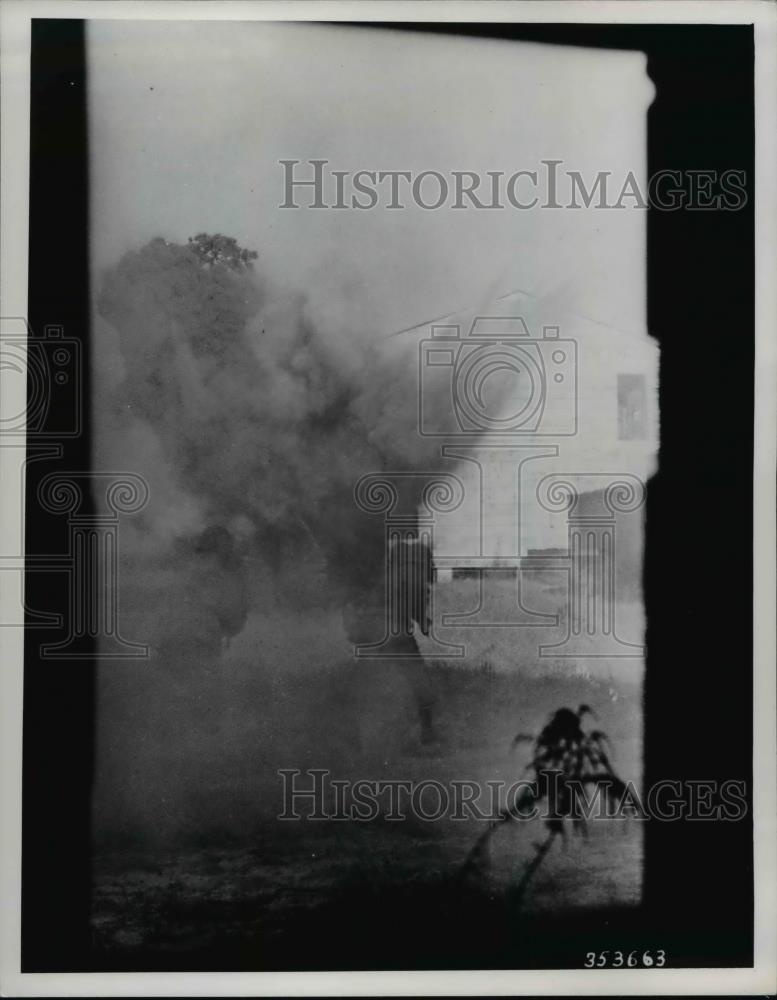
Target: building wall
616,436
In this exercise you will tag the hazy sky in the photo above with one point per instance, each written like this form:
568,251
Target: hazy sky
190,119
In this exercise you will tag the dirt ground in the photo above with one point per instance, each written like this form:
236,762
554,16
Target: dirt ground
198,872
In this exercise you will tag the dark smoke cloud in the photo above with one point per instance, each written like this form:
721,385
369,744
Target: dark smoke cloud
265,415
252,412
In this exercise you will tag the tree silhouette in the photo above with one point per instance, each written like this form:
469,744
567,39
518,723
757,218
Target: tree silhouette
218,249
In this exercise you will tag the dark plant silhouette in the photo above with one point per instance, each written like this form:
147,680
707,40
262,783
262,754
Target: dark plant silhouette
566,760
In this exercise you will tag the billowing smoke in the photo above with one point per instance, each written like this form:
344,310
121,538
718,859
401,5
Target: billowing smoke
252,412
265,413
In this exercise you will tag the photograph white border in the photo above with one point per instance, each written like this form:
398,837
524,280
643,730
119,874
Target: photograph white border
15,17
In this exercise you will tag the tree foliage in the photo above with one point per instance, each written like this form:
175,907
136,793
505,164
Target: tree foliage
167,298
218,249
167,283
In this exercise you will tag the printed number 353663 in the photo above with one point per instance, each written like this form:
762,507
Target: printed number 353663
617,959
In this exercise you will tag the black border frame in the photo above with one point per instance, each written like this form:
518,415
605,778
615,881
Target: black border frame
698,888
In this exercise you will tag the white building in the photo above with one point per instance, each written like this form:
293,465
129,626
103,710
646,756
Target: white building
571,399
